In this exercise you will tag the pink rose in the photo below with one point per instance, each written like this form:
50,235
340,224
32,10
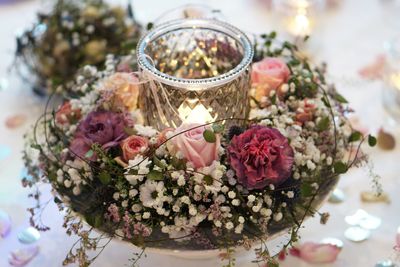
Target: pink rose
66,114
316,253
269,74
133,145
260,156
194,147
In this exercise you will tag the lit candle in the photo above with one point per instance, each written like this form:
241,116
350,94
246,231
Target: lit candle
299,22
198,72
395,80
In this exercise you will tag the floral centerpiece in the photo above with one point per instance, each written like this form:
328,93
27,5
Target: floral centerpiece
74,34
198,186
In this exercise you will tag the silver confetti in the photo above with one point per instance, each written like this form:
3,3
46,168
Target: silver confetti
363,219
385,263
333,241
337,196
357,234
29,236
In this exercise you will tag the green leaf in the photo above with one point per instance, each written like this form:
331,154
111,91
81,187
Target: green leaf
355,136
272,35
150,25
89,154
105,177
129,131
371,140
340,98
326,102
340,167
323,124
179,164
95,220
159,163
36,146
218,128
272,263
209,136
52,176
208,180
306,190
155,175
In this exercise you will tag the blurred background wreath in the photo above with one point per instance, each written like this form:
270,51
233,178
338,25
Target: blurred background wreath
73,34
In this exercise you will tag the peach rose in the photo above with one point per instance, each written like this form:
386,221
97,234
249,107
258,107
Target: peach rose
125,88
307,113
191,143
133,145
269,74
66,114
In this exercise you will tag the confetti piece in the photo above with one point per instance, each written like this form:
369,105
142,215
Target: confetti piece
386,141
337,196
21,257
333,241
29,236
357,234
371,197
385,263
15,121
5,224
363,219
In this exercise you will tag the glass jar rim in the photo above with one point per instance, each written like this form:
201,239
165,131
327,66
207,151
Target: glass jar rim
194,84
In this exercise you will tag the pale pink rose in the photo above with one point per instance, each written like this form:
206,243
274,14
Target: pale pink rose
125,87
191,143
316,253
269,74
133,145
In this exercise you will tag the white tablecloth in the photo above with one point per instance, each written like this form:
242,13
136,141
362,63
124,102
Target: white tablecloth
347,38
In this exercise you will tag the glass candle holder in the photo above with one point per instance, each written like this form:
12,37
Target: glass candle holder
197,72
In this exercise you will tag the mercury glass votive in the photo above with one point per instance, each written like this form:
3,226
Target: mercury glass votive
197,71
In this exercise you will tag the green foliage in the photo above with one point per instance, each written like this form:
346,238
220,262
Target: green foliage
209,136
372,140
340,167
155,175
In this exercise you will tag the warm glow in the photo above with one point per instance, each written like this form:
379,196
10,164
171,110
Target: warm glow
197,115
395,80
300,23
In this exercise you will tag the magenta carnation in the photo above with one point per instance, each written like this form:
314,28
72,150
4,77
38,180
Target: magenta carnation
100,127
260,156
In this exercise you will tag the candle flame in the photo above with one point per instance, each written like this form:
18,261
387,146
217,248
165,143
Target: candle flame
197,115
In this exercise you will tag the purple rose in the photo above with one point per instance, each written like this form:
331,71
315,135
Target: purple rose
100,127
260,156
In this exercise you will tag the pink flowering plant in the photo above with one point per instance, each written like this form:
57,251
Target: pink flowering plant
199,186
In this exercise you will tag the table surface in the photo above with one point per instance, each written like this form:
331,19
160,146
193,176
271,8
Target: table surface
347,38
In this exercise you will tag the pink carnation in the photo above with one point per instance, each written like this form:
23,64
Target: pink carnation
261,156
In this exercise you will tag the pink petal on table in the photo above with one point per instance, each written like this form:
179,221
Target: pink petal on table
374,71
15,121
398,240
21,257
5,224
316,253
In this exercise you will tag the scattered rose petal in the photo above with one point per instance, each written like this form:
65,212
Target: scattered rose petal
385,140
374,71
5,224
316,253
29,236
398,240
370,197
15,121
21,257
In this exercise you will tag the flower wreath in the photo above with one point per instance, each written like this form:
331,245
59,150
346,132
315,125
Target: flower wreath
74,34
199,186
